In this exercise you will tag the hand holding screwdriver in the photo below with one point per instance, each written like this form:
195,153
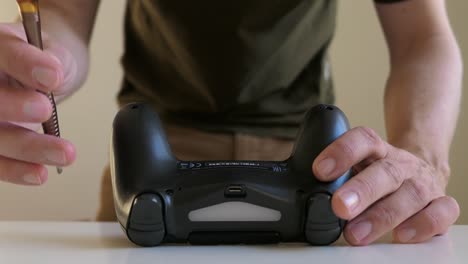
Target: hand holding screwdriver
32,26
25,70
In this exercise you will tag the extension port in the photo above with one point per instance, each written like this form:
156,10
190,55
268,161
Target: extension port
235,190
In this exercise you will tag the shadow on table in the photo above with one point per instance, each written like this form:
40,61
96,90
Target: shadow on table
439,251
108,241
110,236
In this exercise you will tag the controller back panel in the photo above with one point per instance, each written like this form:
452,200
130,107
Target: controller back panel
160,199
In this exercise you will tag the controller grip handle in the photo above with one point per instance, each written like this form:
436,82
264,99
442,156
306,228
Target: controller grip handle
141,157
322,125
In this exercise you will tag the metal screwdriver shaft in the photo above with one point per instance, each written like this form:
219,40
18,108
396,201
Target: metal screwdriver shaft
32,25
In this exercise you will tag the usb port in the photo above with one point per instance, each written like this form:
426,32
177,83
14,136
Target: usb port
235,190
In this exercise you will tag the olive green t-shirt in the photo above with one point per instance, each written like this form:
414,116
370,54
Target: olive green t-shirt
249,66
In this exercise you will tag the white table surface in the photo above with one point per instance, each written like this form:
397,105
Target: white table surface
88,242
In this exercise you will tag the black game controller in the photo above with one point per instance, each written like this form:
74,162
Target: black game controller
160,199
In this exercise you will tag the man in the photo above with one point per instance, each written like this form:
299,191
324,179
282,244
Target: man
232,80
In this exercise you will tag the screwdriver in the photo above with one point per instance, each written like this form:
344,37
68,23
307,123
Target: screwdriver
32,26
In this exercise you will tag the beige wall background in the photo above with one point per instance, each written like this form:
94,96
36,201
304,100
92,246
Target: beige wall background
359,66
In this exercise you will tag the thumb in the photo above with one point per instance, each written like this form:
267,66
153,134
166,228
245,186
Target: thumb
67,66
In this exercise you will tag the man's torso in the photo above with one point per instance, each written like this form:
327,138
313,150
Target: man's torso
252,66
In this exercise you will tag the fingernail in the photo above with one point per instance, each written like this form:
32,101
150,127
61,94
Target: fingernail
34,110
55,156
46,77
350,200
326,166
361,230
31,179
406,234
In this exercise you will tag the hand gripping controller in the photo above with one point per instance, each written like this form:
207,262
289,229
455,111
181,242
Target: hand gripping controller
160,199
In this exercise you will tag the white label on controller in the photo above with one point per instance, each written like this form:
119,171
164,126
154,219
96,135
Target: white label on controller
234,211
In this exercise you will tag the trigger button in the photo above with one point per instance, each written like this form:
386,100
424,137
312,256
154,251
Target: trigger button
320,211
322,226
146,222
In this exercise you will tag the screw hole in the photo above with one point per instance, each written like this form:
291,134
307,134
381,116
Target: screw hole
134,106
169,192
300,192
329,108
179,189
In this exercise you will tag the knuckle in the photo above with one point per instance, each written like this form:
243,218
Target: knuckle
384,215
445,171
22,153
365,188
344,147
419,191
371,136
16,54
369,133
393,172
28,150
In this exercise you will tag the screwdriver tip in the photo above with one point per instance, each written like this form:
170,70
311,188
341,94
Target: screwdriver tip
59,170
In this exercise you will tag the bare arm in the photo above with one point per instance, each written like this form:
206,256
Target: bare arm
71,16
422,96
71,23
399,185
